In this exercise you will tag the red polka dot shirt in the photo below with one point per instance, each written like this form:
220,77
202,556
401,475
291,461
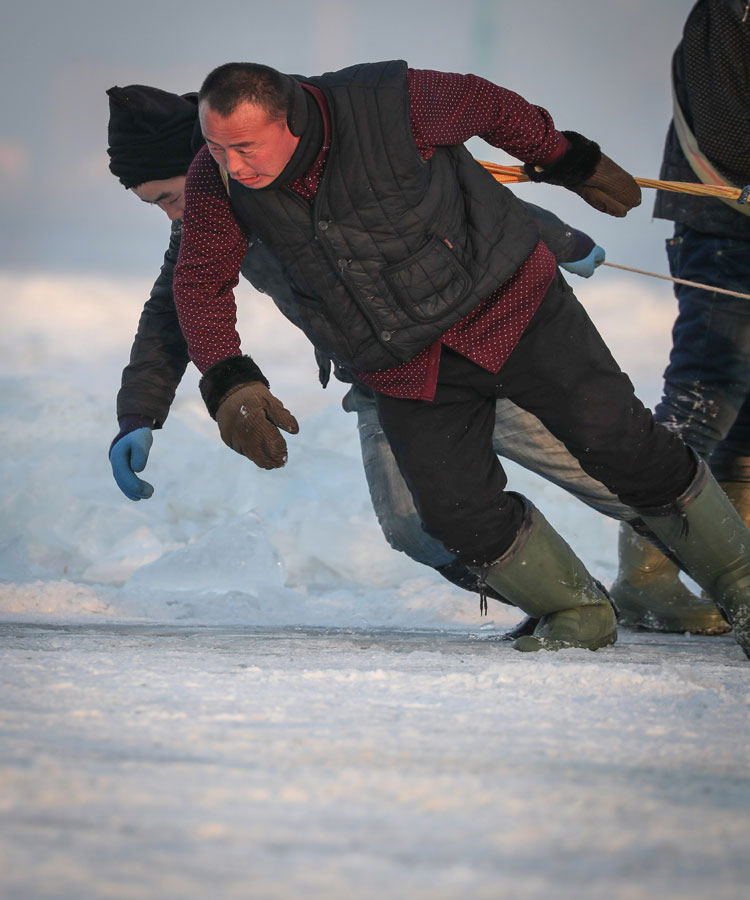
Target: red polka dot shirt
446,109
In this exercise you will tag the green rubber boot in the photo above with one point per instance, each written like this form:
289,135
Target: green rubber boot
542,576
710,539
648,592
738,493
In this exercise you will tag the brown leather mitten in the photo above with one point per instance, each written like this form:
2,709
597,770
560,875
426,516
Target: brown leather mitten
249,418
584,169
610,189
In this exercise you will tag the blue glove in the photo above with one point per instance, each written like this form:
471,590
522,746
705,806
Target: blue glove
585,267
128,455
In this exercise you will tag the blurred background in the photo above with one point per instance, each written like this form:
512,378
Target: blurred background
600,68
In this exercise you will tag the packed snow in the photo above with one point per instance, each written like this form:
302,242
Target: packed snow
236,688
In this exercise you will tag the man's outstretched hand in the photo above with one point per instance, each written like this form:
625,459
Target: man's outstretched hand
128,455
586,266
249,419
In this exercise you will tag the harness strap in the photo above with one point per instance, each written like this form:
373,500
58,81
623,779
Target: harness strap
699,162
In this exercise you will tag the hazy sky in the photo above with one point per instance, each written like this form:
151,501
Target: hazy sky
600,68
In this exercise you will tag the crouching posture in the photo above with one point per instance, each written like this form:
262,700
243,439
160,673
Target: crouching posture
429,282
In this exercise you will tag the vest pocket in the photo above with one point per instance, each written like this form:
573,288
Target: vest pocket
428,284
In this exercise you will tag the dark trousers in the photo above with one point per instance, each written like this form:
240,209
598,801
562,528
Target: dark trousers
707,382
562,372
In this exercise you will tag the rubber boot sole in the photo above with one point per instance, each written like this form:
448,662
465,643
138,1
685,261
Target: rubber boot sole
582,628
531,644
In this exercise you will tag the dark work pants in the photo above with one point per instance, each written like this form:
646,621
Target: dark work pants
562,372
707,382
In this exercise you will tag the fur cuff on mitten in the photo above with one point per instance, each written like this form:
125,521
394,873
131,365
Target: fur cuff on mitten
227,374
574,167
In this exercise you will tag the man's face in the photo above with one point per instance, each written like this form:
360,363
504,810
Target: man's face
167,193
252,147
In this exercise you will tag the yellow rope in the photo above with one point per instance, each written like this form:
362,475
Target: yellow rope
516,175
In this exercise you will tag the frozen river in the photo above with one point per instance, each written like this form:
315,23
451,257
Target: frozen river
185,762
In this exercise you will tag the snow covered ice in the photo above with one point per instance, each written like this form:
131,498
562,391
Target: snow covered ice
236,689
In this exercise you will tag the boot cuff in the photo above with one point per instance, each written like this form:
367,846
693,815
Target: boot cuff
530,515
677,506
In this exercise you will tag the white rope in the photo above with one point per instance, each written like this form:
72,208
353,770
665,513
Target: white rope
695,284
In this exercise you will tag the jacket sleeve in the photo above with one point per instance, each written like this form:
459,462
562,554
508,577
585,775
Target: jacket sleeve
208,268
566,243
447,109
159,355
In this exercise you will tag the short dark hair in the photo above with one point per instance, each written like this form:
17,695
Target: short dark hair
234,83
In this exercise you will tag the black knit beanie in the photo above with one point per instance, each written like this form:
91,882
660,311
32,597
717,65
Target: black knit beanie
150,133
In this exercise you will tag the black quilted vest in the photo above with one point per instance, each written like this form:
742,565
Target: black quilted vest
393,250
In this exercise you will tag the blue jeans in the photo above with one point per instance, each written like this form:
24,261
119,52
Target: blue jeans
518,436
706,396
